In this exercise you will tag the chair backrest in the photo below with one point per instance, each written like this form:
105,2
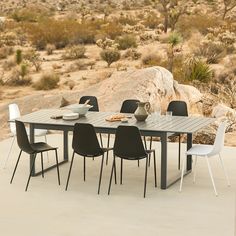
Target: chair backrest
178,108
128,143
220,138
93,102
129,106
85,141
14,113
22,138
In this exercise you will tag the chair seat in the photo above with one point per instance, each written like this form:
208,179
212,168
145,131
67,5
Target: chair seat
200,150
42,147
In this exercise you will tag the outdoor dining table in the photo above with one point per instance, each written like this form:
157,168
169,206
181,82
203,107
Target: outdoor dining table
153,127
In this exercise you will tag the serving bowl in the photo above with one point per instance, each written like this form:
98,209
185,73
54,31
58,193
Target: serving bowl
81,109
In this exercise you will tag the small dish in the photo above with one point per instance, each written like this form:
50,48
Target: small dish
70,116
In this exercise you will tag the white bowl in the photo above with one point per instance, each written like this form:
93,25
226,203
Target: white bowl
81,109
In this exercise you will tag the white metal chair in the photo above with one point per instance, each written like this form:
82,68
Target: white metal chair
14,113
207,151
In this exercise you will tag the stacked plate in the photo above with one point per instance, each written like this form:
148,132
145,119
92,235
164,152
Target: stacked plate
70,116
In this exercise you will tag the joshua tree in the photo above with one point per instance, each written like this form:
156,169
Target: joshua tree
172,10
228,6
174,40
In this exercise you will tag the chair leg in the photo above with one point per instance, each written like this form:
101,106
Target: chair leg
8,155
100,177
182,174
195,170
150,147
46,141
224,169
145,179
179,152
100,135
15,167
155,168
68,178
145,142
58,173
42,164
115,172
108,144
138,163
112,169
84,168
210,172
31,171
121,171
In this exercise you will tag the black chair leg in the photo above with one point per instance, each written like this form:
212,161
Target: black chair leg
42,164
138,163
155,168
145,180
58,173
31,171
68,178
145,142
149,160
100,135
150,147
112,169
121,171
108,144
100,177
115,172
15,167
179,152
84,168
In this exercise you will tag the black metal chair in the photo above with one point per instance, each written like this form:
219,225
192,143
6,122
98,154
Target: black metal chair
129,146
85,143
93,101
34,148
178,108
128,106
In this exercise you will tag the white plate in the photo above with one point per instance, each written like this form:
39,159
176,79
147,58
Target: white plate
70,116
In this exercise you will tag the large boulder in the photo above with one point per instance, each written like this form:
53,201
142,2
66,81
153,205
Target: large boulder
222,110
154,84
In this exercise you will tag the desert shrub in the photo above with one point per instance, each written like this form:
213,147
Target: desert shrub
111,30
110,56
19,57
5,52
16,78
74,52
151,59
50,48
133,54
126,41
212,51
47,81
151,21
31,14
33,57
127,20
197,69
198,22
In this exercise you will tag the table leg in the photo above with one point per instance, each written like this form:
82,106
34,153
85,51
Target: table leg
189,157
164,161
65,143
31,137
